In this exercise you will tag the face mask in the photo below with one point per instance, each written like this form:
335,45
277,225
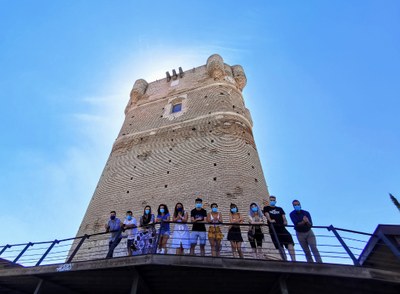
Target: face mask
254,209
162,210
129,217
199,205
147,211
272,203
214,209
234,210
112,217
297,207
179,209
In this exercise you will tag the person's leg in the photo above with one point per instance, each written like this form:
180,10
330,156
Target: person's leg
212,245
110,252
159,245
193,242
218,247
259,248
128,245
164,243
253,248
239,249
292,254
312,242
202,237
233,246
112,246
302,237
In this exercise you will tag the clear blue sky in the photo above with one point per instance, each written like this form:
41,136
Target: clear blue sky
323,89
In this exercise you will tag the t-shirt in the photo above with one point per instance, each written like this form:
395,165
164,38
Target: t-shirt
165,226
115,225
201,213
275,213
133,231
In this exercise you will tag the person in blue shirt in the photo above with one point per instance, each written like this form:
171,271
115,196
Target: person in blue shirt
163,217
302,225
114,227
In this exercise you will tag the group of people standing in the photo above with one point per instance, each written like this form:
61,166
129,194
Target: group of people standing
143,241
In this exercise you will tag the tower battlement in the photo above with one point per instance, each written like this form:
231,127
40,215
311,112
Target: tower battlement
214,71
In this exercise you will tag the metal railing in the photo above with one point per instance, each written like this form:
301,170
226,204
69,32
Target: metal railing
335,245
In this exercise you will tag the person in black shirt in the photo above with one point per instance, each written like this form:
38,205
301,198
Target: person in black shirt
276,218
198,218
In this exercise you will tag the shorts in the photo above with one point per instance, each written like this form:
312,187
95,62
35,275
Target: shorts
164,232
194,235
215,233
284,237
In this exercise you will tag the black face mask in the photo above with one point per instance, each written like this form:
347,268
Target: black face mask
112,217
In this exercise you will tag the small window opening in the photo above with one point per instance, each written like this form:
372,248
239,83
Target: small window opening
177,107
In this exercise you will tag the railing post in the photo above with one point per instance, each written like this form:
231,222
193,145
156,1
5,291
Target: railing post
47,252
23,251
77,248
5,248
389,244
280,248
355,260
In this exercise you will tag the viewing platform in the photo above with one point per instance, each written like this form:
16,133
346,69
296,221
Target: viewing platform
34,268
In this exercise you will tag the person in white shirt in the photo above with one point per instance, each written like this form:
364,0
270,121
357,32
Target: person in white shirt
130,228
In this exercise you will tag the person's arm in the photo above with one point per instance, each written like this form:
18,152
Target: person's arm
176,218
185,217
251,220
307,218
168,218
284,220
151,220
192,219
220,217
240,219
254,222
269,217
297,219
202,219
209,217
107,226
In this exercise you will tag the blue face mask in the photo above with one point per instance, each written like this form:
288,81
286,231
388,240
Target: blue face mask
147,211
297,207
112,217
234,210
214,209
199,205
162,210
272,203
179,209
254,209
128,217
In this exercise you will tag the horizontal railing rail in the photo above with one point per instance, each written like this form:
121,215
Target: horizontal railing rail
335,245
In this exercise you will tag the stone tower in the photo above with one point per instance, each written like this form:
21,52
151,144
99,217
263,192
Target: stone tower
187,135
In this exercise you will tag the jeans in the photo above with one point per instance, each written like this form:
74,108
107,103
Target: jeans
111,247
307,240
